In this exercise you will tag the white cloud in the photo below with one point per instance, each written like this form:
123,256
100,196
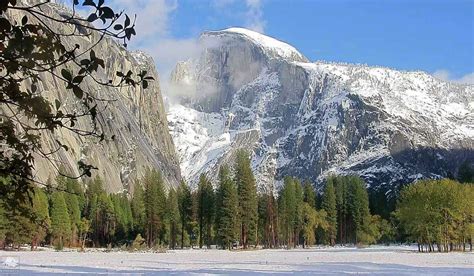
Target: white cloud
254,16
152,16
251,17
447,76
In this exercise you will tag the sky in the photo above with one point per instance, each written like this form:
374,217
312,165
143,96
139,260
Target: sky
436,36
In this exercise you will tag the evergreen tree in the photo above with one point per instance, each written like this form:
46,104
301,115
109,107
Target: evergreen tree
138,209
100,213
42,220
298,219
340,185
359,208
60,220
466,172
185,210
248,203
227,209
329,206
173,218
267,220
287,208
155,203
309,194
73,206
123,216
205,210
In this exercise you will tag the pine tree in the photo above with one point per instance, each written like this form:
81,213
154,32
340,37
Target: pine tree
309,194
340,185
185,210
358,206
42,220
173,218
287,208
155,203
73,208
227,209
100,213
298,219
138,209
248,203
329,205
205,210
60,220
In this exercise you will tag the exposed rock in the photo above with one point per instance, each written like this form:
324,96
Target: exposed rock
312,119
136,117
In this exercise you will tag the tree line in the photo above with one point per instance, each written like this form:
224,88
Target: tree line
436,214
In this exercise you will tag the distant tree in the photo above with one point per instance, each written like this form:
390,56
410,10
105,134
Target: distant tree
437,214
329,206
185,203
138,209
227,209
42,220
84,228
123,216
309,194
248,203
60,220
287,209
267,220
312,219
72,203
205,210
173,218
100,213
359,208
155,204
466,172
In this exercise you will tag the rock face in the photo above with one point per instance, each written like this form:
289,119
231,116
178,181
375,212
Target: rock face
136,117
309,120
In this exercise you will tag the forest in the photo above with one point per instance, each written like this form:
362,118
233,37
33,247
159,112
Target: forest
438,215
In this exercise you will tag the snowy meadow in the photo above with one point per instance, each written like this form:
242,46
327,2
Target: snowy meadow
392,260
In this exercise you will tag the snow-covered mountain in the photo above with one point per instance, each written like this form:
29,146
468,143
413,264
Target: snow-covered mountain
308,120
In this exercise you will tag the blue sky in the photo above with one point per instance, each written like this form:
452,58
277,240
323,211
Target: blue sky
431,35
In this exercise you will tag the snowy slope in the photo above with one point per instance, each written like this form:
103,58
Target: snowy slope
268,44
311,119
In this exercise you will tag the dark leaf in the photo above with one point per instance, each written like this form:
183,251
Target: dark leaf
57,103
89,3
4,24
78,79
118,27
66,74
127,21
107,13
78,92
24,20
92,17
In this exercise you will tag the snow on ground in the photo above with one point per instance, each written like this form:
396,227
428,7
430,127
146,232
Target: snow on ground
394,260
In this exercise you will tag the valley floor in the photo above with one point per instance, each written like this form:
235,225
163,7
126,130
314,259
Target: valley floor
393,260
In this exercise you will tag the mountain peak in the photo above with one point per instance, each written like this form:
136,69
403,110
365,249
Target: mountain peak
277,48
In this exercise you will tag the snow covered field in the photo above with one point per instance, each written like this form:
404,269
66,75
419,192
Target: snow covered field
394,260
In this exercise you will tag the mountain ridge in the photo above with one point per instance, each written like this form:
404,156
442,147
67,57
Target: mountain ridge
271,102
